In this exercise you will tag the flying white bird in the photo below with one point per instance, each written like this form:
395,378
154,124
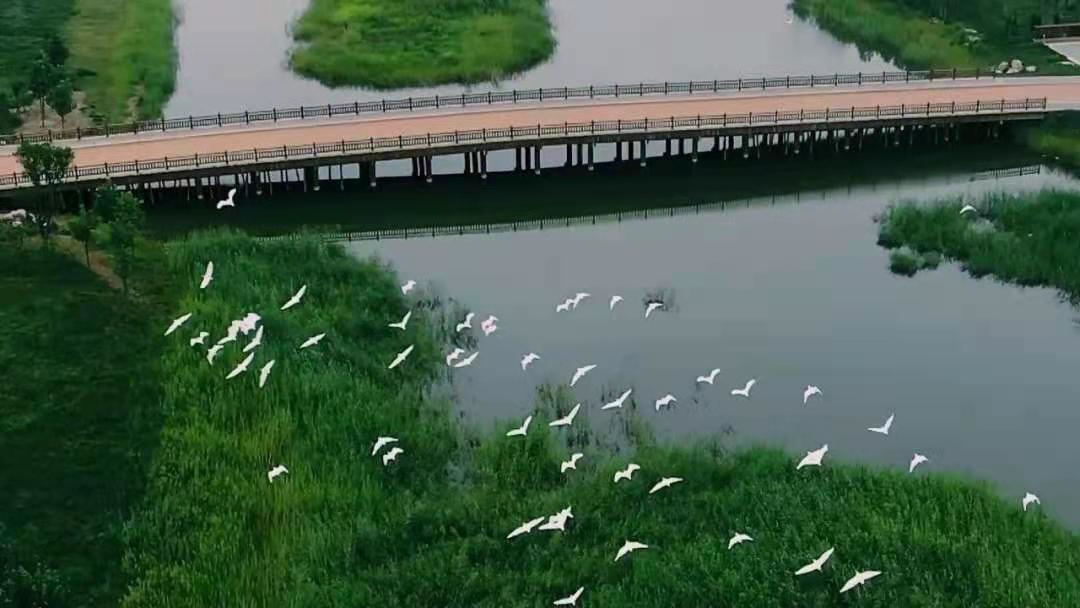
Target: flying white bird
241,368
667,399
629,547
526,527
883,429
381,442
665,482
580,372
391,455
201,340
1028,499
651,307
618,402
467,361
264,373
738,539
212,353
816,565
627,473
407,286
528,359
745,391
457,352
614,300
557,521
916,460
402,323
570,600
709,378
274,472
295,299
570,464
489,321
401,357
256,341
859,579
810,391
177,323
578,297
248,323
813,457
208,275
228,201
789,20
312,341
968,209
568,419
467,323
521,430
488,328
565,306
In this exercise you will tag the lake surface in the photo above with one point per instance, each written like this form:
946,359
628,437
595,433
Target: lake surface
790,290
599,42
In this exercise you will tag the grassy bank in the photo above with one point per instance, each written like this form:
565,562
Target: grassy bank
919,34
77,420
399,43
1028,240
340,529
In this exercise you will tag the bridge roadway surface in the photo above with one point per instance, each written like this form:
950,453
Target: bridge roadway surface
1062,93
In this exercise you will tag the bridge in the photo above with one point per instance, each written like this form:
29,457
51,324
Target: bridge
742,116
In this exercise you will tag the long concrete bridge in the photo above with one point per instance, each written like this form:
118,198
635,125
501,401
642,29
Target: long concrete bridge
249,148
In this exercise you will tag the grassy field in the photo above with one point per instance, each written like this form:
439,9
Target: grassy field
399,43
429,530
919,34
1028,240
77,419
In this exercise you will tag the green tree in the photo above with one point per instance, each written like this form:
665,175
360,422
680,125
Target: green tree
45,165
105,201
82,228
56,50
61,98
124,230
43,77
9,117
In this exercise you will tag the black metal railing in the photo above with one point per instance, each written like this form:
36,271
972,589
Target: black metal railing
532,133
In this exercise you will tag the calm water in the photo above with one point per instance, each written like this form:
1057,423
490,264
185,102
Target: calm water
791,291
599,42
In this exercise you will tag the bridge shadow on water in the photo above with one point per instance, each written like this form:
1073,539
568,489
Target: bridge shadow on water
565,193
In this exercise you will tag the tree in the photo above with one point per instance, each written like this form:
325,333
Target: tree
61,98
56,51
124,229
45,165
82,228
9,117
42,79
105,201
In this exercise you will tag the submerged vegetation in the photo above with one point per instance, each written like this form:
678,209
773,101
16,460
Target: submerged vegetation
399,43
430,529
1023,239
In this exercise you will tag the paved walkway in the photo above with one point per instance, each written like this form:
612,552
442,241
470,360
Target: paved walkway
1061,93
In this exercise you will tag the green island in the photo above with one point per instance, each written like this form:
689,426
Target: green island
400,43
117,57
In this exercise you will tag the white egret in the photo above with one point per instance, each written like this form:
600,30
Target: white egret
1029,499
665,482
653,306
860,578
528,359
710,378
488,328
916,460
241,368
567,465
666,400
391,455
264,373
968,209
557,521
401,357
883,429
208,275
813,457
565,306
525,528
175,325
745,391
408,286
816,565
457,352
579,297
579,373
570,600
629,547
228,201
739,538
402,323
201,340
276,471
627,473
466,324
568,419
614,301
381,442
256,341
295,299
312,341
521,430
467,361
810,391
212,353
618,403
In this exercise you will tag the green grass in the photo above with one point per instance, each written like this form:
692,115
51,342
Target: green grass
1027,240
342,530
77,417
916,35
398,43
25,25
1057,138
906,262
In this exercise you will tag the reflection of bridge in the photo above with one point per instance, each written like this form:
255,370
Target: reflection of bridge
838,111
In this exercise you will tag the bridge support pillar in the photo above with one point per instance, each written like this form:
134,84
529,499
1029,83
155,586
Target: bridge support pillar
682,146
716,144
569,155
618,151
369,168
482,156
427,169
694,147
667,147
198,188
592,149
643,153
468,163
536,160
255,179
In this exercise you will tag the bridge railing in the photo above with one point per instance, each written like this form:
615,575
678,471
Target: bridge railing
462,100
530,133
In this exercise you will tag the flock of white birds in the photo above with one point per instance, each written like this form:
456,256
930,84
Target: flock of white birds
557,521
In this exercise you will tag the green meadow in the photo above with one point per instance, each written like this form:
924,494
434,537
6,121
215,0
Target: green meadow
398,43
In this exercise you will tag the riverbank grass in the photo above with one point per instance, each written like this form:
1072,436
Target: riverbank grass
399,43
1023,239
430,529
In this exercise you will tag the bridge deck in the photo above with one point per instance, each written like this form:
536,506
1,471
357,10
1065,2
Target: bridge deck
1060,93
